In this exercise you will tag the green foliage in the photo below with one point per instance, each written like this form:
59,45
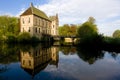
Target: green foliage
11,38
87,30
34,39
112,41
8,53
24,38
91,20
46,39
88,34
67,30
9,24
116,34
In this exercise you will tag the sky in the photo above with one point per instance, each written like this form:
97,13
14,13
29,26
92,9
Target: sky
106,12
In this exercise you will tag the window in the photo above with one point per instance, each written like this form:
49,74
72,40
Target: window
36,30
36,21
39,30
23,62
29,53
29,20
23,21
29,29
29,63
53,26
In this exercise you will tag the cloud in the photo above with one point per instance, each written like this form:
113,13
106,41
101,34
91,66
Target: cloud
106,12
108,28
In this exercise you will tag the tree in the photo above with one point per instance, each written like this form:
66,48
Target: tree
9,25
116,34
73,29
89,36
67,30
87,29
24,37
91,20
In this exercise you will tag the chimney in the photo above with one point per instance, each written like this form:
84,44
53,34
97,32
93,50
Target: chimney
56,14
31,4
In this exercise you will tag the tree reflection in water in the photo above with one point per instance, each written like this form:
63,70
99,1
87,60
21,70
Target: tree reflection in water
68,50
35,58
90,55
86,54
8,54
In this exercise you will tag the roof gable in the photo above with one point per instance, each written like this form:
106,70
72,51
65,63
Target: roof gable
39,13
27,12
35,11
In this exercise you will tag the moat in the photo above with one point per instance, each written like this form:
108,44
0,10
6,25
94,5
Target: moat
42,62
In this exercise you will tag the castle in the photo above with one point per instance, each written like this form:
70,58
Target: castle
37,23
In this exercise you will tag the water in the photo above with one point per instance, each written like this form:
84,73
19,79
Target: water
57,63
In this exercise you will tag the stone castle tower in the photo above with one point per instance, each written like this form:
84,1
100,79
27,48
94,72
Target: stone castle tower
54,25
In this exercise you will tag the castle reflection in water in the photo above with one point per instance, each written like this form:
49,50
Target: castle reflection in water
37,59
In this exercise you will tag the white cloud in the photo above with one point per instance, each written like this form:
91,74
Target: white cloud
109,27
78,11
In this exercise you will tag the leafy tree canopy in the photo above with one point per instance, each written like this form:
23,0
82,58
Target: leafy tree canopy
9,25
68,30
87,29
116,34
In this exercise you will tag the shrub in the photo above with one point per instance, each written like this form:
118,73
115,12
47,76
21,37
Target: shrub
34,39
24,38
11,38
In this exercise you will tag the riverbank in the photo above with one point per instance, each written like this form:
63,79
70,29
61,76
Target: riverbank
101,43
25,38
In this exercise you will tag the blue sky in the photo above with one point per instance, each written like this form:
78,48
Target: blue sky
13,7
106,12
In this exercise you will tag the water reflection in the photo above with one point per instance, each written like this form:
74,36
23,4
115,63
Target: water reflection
68,50
90,55
36,59
26,62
